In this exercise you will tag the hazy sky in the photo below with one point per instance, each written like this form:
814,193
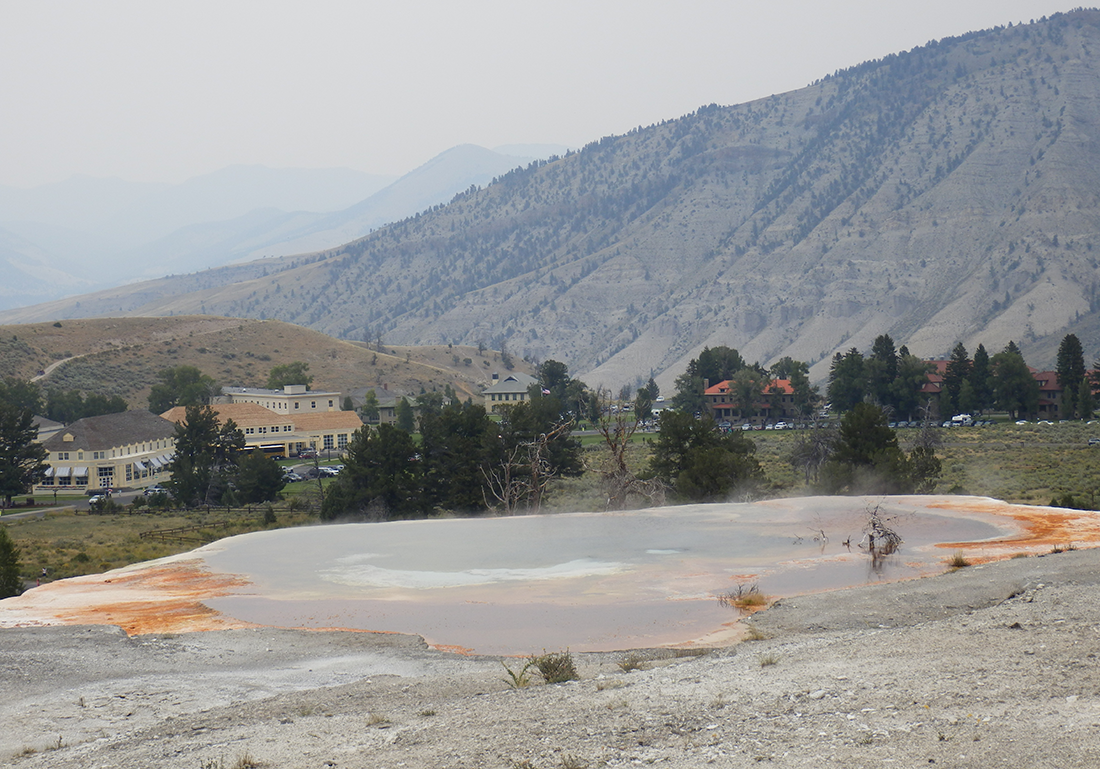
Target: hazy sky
158,91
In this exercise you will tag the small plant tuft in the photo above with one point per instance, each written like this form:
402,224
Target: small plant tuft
753,633
958,561
377,719
632,662
768,659
519,679
745,598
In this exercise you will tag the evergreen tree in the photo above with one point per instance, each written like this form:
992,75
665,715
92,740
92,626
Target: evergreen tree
206,457
456,444
1071,371
699,461
289,374
881,370
259,478
22,458
24,396
866,458
406,420
746,388
957,372
1086,404
370,410
907,386
981,380
380,479
847,380
804,394
1014,388
181,386
11,580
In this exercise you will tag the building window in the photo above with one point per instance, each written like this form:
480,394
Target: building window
129,473
297,404
342,441
328,441
330,403
313,404
62,455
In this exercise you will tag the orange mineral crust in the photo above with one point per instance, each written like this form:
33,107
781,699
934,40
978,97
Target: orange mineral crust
161,598
1042,528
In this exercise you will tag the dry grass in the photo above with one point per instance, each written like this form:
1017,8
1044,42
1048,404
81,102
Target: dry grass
69,545
745,598
958,561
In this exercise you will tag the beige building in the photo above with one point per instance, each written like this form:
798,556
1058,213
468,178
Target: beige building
123,450
292,399
281,434
509,391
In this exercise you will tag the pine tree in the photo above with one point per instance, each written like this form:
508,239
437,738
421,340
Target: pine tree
11,581
981,380
957,372
1071,370
1086,404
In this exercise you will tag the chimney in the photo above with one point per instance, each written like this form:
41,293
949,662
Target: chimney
706,384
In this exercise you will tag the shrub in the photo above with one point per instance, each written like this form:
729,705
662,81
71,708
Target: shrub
556,667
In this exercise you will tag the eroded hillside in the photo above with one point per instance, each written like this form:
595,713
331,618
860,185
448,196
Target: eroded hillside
950,193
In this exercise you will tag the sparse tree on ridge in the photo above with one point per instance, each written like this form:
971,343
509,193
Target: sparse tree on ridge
294,373
181,386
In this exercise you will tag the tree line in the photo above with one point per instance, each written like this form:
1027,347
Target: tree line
893,379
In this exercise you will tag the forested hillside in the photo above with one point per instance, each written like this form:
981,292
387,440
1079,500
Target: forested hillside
946,194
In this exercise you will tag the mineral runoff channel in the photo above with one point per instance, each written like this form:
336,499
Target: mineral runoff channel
518,585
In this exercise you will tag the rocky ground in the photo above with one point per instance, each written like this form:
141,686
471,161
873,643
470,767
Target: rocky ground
992,665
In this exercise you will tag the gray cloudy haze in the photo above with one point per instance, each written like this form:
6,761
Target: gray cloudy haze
164,92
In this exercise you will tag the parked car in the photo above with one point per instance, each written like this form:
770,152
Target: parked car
307,454
292,477
154,489
1094,441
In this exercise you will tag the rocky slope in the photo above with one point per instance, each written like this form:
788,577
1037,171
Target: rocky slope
949,193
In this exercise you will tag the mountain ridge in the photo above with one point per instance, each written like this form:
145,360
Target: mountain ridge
949,193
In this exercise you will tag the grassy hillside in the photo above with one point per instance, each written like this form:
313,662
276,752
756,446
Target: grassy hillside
124,355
